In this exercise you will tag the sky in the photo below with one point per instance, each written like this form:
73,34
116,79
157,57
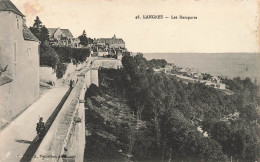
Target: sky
221,25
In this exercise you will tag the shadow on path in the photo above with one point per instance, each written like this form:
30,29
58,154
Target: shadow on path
28,155
23,141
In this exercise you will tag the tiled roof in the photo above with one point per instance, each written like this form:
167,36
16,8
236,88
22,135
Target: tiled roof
28,35
110,40
67,33
7,5
52,31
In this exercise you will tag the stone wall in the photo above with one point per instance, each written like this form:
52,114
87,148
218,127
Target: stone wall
107,63
47,75
70,68
57,141
94,76
65,140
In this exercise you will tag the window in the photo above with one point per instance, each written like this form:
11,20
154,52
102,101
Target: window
3,54
15,53
29,52
17,24
15,60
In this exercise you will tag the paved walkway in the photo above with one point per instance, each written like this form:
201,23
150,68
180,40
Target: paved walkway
17,140
19,134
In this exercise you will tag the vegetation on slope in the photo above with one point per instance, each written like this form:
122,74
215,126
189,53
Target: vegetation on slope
175,110
113,132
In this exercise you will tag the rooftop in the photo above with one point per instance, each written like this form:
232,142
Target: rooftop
65,32
27,35
52,30
110,40
7,5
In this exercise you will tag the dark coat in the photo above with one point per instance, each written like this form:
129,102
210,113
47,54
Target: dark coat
40,129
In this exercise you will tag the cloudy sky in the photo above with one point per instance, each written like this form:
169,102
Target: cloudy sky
221,25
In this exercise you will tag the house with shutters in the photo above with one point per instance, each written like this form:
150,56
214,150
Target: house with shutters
62,37
19,61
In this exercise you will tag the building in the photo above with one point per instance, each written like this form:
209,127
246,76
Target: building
102,53
19,51
215,79
119,56
62,37
167,69
110,42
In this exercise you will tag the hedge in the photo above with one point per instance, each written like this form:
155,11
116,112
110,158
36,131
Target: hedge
66,54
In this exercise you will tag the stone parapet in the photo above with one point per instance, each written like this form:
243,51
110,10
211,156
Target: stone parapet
54,146
65,140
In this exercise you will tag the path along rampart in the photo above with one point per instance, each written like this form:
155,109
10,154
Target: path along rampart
65,140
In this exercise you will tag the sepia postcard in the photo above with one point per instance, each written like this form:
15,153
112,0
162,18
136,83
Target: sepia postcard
130,80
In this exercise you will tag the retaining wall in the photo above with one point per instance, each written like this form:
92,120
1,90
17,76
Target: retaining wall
47,74
107,63
56,145
65,140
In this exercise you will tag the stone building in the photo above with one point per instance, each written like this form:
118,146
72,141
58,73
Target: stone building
62,37
110,42
19,52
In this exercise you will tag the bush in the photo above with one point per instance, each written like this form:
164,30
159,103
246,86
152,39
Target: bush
61,69
157,63
55,56
93,90
80,54
66,54
48,57
206,76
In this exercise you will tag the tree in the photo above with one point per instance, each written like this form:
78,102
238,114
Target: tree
48,57
157,63
83,39
129,65
44,34
175,110
90,41
37,23
39,30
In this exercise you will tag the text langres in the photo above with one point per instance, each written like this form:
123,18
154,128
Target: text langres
152,16
168,17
